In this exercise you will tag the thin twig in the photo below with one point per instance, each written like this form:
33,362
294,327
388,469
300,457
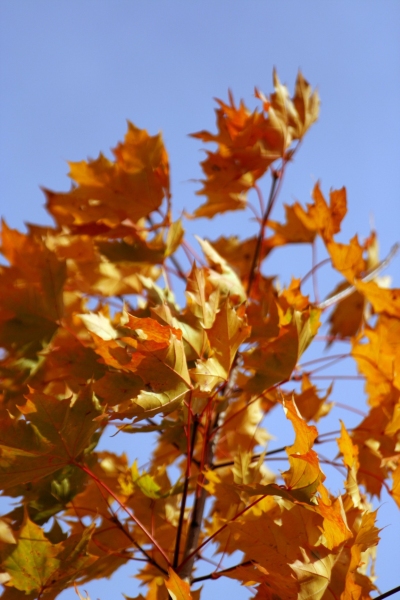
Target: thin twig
314,268
125,508
217,574
255,457
314,271
222,528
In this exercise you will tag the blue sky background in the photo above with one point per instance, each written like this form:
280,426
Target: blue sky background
72,72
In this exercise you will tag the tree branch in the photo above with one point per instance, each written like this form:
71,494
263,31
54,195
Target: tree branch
194,530
256,257
389,593
185,492
217,574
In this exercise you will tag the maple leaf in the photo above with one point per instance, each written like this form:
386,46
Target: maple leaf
35,564
347,317
131,187
152,351
310,405
305,475
303,225
294,231
378,359
227,333
222,275
274,360
382,300
31,303
249,142
53,433
238,254
347,258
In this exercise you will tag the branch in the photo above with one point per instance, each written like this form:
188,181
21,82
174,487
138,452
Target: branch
186,567
255,457
147,556
115,521
370,275
217,574
314,269
256,257
185,491
389,593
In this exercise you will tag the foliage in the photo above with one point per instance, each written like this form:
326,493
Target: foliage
94,342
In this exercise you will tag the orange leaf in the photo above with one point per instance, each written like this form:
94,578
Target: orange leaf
347,316
108,192
177,588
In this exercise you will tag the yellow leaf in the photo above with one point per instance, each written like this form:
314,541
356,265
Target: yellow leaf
347,448
347,258
382,300
305,475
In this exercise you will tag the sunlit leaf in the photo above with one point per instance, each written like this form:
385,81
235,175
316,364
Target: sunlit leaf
177,588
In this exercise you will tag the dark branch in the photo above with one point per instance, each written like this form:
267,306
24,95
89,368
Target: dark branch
184,495
257,251
389,593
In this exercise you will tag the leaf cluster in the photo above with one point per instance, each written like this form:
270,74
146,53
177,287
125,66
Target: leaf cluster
94,341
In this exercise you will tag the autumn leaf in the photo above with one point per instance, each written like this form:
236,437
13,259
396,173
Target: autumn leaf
35,564
382,300
274,360
249,142
31,302
53,433
320,217
310,404
131,187
294,231
178,589
348,449
305,475
347,317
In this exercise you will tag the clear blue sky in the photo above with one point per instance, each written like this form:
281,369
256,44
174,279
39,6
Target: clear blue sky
73,71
